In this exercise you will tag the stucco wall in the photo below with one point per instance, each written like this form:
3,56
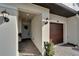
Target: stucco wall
36,29
8,34
1,20
78,29
72,27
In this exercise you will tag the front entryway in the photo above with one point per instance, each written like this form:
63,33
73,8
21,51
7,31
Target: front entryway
29,34
56,32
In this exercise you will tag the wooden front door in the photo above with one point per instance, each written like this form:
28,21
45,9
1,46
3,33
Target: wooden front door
56,33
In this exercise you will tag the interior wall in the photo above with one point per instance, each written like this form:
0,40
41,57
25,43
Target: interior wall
36,29
59,19
8,34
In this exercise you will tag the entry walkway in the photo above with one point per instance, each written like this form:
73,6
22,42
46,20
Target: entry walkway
27,48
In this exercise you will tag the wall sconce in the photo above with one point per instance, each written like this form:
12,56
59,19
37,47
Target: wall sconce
57,20
46,21
5,15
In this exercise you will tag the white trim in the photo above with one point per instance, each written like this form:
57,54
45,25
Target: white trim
17,38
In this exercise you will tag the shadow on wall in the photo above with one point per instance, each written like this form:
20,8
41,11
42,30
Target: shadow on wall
1,20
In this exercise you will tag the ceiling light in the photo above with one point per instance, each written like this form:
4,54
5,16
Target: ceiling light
28,14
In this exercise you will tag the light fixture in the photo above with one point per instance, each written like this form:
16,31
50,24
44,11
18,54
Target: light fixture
46,22
27,14
57,20
5,15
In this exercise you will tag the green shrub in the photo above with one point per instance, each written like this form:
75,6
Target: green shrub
49,50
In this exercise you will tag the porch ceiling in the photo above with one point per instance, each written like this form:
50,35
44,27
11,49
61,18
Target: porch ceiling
58,9
25,17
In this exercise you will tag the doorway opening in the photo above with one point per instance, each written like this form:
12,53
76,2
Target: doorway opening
56,32
26,46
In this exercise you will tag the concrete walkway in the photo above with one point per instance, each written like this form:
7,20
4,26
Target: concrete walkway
65,51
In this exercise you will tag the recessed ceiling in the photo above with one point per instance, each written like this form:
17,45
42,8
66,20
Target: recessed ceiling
58,9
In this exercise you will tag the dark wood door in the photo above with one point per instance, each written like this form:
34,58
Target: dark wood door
56,33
